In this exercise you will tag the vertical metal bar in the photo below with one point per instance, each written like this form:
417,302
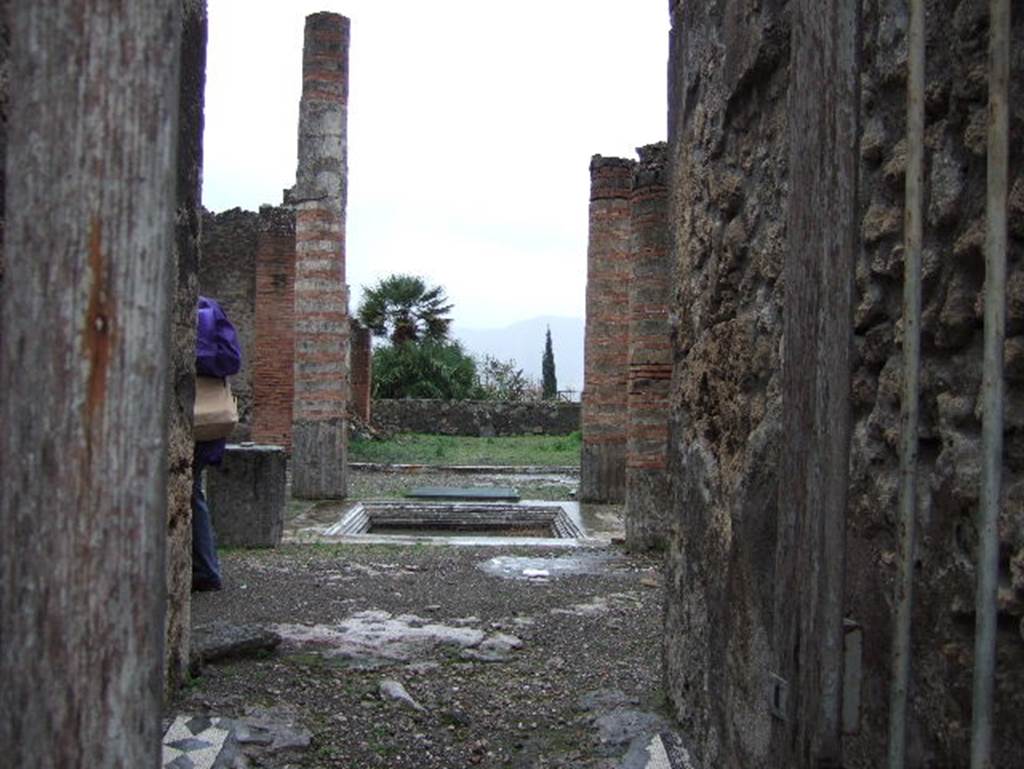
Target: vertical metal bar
912,229
992,384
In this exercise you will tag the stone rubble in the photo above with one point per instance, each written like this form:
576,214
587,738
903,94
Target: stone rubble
393,691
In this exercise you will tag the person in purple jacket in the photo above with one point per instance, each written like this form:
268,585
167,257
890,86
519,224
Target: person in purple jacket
217,355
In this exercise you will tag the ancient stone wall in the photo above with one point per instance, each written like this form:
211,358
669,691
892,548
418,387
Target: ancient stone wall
485,418
728,200
273,357
650,355
321,295
606,340
183,341
227,273
949,448
5,68
727,166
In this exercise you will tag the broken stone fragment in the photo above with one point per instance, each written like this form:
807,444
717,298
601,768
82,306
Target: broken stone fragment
222,640
393,691
497,648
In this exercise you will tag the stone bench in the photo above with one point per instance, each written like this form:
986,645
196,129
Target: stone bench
247,496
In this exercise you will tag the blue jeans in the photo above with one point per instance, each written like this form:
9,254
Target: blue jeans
205,564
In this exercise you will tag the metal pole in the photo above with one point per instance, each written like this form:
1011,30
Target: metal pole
911,377
992,384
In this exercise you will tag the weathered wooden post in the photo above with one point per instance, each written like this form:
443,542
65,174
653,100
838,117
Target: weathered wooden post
90,200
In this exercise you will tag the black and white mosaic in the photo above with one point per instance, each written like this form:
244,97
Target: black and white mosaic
195,742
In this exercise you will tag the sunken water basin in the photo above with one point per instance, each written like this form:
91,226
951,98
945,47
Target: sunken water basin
484,522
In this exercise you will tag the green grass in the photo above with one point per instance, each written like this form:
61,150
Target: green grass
415,448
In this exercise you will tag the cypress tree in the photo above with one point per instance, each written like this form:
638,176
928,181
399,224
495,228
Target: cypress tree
550,382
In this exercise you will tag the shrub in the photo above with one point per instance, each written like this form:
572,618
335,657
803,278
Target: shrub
424,370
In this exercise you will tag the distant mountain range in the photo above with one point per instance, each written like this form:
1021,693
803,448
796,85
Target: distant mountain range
524,343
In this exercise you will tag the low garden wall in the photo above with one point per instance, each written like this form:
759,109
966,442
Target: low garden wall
485,418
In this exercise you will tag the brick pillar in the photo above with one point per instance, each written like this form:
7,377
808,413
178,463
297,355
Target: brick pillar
650,355
603,462
361,368
321,296
273,359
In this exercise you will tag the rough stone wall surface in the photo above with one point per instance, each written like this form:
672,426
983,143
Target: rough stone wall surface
273,356
227,273
727,167
361,371
5,47
321,296
183,343
949,448
728,82
485,418
606,337
650,355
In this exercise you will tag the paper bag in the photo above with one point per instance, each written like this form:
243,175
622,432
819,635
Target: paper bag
216,412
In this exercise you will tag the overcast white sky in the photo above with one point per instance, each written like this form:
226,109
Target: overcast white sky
471,124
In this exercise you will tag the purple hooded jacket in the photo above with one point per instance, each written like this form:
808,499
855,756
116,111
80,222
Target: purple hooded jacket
217,354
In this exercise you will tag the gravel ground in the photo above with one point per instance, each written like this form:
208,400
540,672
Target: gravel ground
589,641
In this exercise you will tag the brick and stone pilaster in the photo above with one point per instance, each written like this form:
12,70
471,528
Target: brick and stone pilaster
273,359
606,346
321,296
650,355
361,371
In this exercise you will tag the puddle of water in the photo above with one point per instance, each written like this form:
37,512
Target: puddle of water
541,569
457,531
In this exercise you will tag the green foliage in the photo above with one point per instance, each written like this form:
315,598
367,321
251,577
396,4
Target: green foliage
424,370
469,450
549,384
504,381
404,309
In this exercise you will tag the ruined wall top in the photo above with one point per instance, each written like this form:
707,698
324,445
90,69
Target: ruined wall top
279,219
650,170
324,57
610,177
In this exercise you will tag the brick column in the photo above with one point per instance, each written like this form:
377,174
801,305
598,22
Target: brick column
602,471
650,355
361,369
273,359
321,296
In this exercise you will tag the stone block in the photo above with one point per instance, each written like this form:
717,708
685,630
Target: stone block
246,495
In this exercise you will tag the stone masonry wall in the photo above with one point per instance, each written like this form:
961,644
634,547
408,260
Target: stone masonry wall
727,196
950,447
728,81
227,273
273,358
321,295
606,348
178,619
650,355
485,418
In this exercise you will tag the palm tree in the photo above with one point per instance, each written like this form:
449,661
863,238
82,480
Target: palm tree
404,309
